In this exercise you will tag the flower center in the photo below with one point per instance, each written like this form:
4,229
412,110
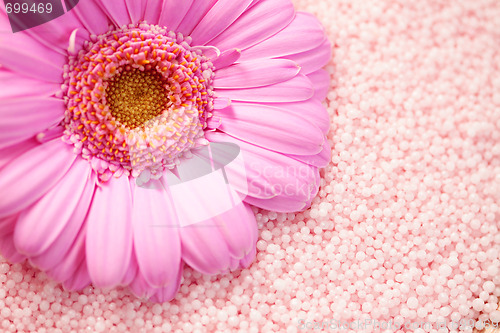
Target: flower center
135,97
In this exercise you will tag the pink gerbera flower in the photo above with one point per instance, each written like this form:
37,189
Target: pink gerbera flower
110,112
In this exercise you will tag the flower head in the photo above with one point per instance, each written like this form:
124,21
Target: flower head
118,160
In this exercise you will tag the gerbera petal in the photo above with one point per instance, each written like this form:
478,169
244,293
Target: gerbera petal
248,259
238,175
156,235
152,11
109,232
173,12
79,279
207,246
302,34
295,90
312,60
258,23
312,110
294,202
210,52
198,10
142,289
294,183
93,18
7,224
58,249
55,33
23,118
22,86
233,264
10,153
50,215
131,270
271,127
319,160
227,58
22,54
218,18
32,174
221,103
136,9
321,83
8,250
252,74
116,10
296,197
239,229
167,293
72,260
245,261
203,246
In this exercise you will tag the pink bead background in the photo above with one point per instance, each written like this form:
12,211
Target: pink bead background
405,226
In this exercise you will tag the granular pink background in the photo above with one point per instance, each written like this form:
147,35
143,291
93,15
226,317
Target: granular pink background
415,112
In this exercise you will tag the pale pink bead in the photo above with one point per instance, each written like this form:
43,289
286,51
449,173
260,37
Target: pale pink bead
495,316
